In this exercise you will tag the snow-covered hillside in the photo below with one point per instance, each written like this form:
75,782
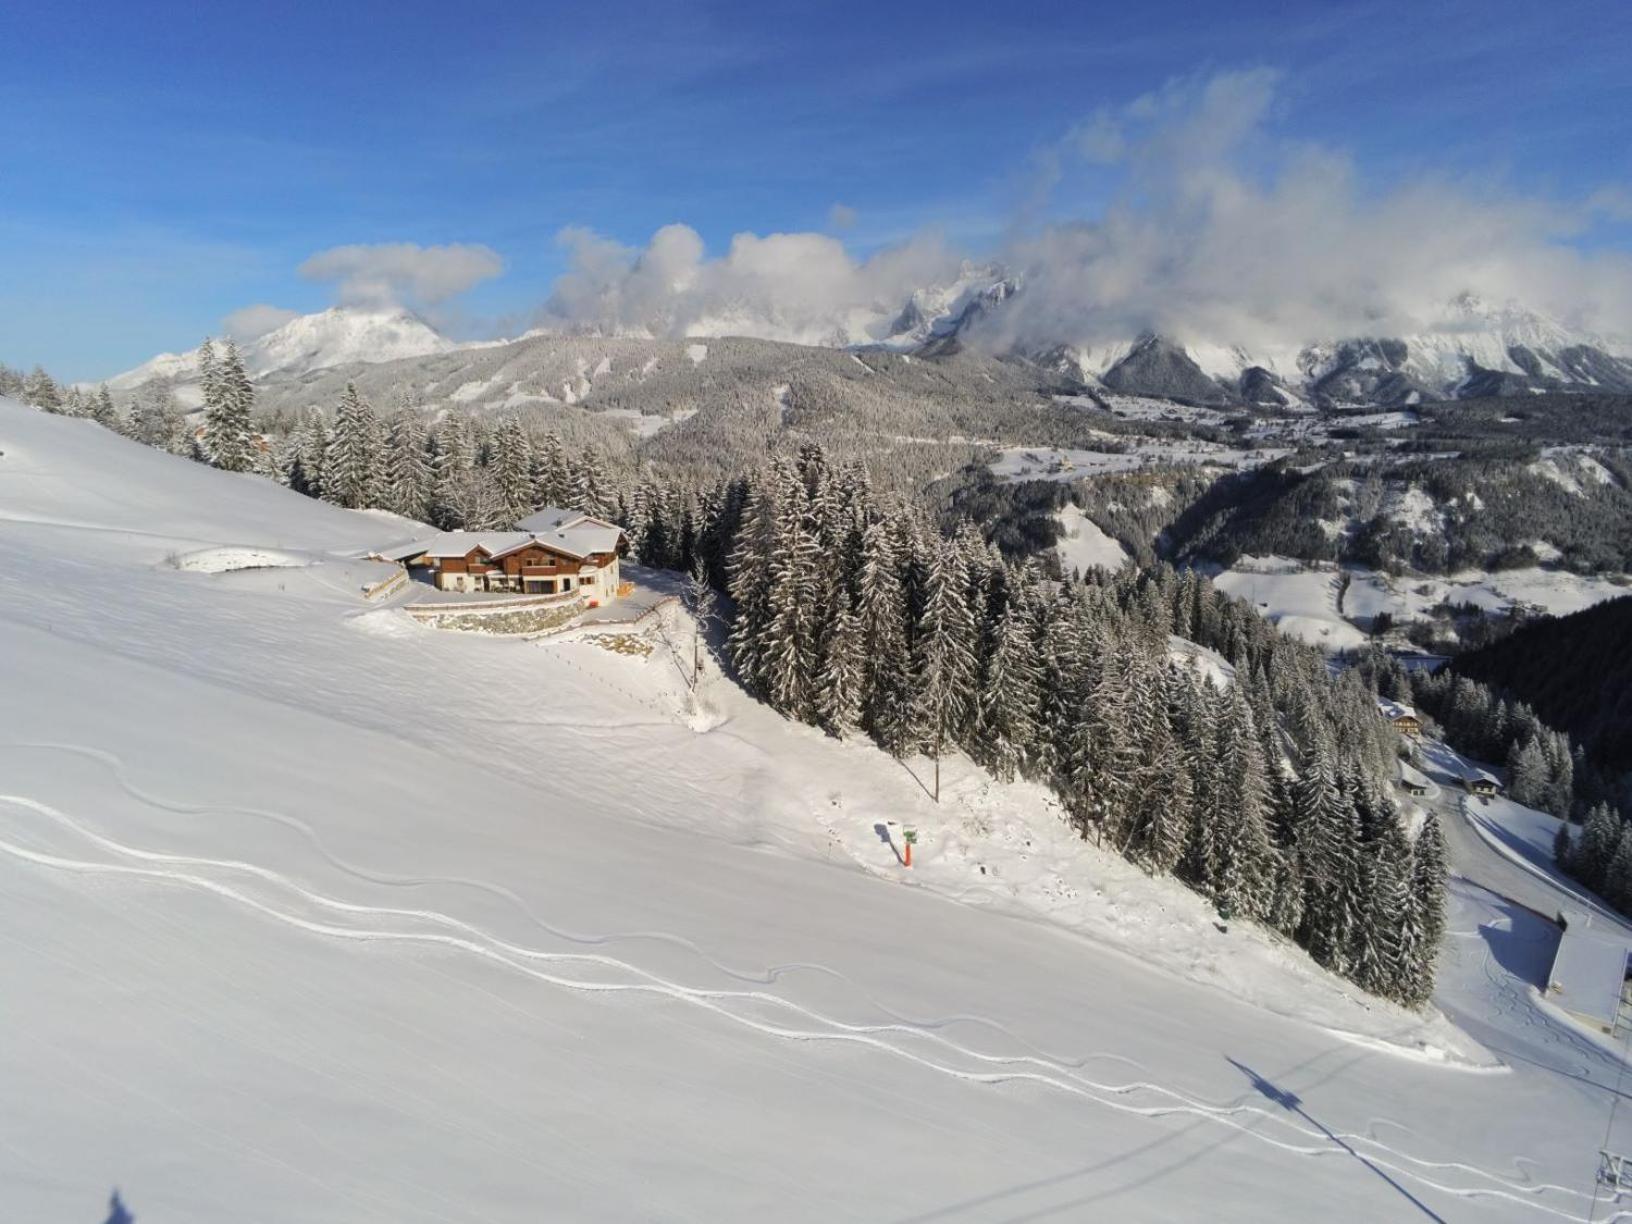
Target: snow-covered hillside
312,913
337,336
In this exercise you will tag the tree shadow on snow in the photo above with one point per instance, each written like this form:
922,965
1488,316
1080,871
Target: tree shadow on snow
1525,946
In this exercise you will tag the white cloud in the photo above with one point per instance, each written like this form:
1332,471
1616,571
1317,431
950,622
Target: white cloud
841,216
253,321
802,287
402,273
1218,228
1221,231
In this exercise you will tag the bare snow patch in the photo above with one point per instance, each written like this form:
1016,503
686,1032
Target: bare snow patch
1084,545
697,352
226,560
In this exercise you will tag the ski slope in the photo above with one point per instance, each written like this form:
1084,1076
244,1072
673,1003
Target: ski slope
312,913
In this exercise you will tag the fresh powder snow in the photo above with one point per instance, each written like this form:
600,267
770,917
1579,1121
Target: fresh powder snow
314,913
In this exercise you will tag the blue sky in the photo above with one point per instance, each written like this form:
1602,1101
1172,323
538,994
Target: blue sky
164,165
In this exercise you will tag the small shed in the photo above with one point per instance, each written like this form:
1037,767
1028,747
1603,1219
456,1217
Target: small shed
1412,780
1589,974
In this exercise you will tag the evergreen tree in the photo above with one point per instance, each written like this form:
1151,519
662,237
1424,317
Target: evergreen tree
943,660
101,410
512,471
552,480
229,430
1006,714
354,468
839,682
886,665
155,420
409,474
41,390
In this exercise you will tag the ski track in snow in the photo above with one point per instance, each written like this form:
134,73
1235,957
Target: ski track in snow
805,1024
764,977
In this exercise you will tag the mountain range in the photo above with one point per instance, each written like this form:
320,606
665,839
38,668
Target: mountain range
1474,348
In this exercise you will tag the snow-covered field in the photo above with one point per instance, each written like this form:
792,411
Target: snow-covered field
1084,544
1064,463
1302,599
311,913
1298,599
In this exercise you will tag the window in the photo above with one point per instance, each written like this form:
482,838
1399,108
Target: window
586,580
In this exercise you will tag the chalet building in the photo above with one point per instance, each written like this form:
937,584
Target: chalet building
1478,782
1412,781
553,552
1401,717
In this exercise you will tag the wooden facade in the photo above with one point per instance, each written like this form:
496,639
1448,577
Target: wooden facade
532,569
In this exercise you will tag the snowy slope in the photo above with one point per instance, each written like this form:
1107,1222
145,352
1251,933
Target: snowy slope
337,336
315,914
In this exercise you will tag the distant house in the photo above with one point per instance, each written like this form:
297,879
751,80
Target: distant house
1412,781
1477,781
1401,717
553,552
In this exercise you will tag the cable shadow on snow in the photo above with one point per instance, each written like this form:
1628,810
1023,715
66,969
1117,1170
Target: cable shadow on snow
1293,1103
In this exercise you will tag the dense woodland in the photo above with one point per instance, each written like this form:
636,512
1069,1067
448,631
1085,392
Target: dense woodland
1575,671
851,609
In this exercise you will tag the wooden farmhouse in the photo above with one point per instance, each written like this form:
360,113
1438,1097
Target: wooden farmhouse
1478,782
553,552
1401,717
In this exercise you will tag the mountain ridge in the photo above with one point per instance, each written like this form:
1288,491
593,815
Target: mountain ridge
1473,348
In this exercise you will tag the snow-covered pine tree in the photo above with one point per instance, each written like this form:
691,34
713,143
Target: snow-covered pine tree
310,452
1243,885
409,475
1527,774
552,481
453,462
512,471
1600,836
749,582
155,419
839,682
1428,889
1617,887
354,469
101,410
1562,846
886,664
944,668
229,424
1006,713
41,390
796,593
591,491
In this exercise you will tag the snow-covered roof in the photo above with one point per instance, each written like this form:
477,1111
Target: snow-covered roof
403,550
583,538
1589,969
1412,776
1395,710
577,541
462,543
572,531
550,518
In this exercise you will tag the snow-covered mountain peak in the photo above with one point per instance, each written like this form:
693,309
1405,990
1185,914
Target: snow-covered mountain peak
332,337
